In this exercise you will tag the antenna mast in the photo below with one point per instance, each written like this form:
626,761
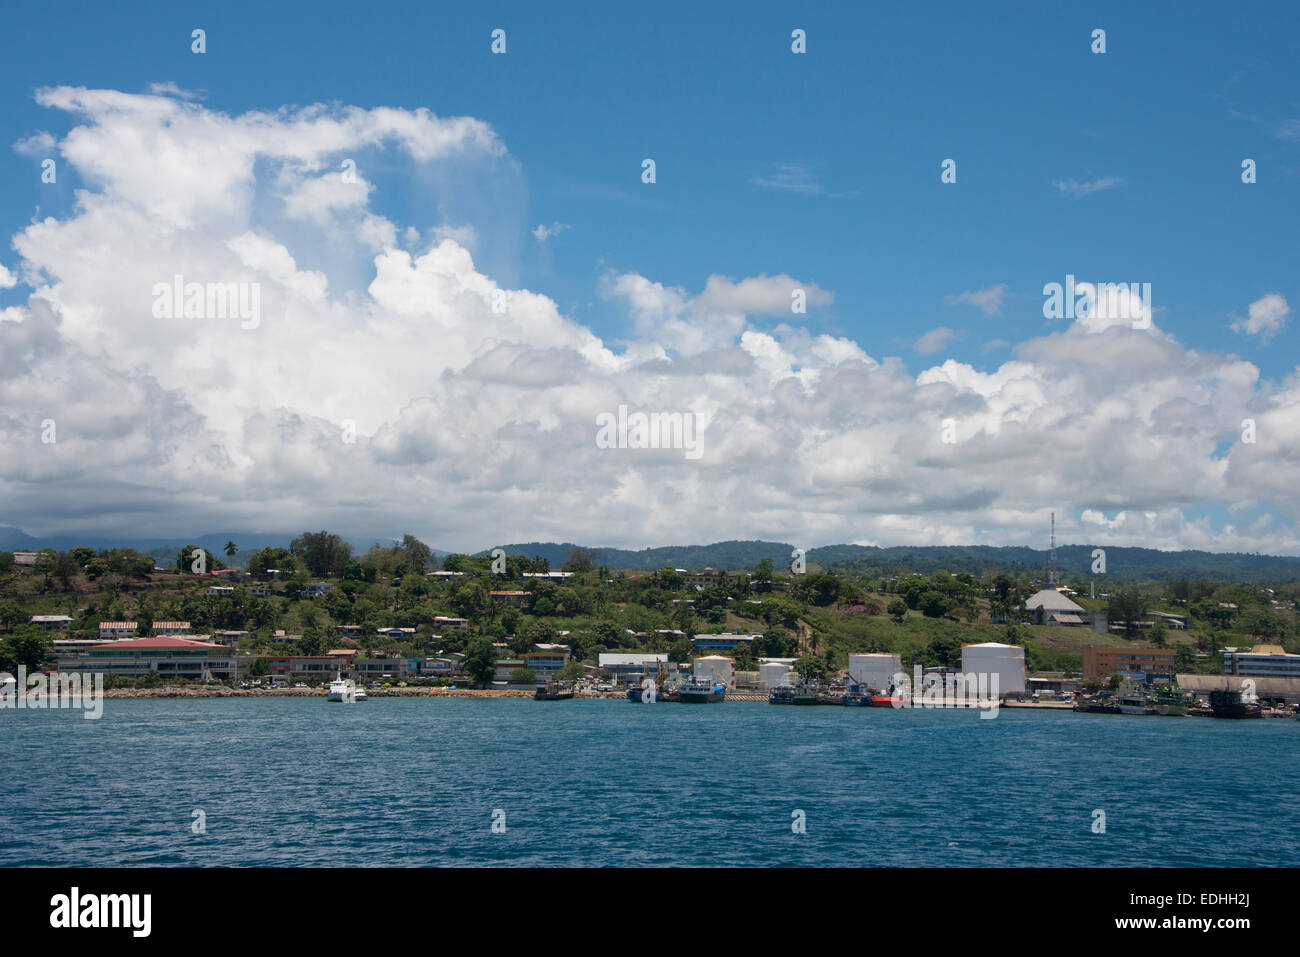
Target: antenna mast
1051,559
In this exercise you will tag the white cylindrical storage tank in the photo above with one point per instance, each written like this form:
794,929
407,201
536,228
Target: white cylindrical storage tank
720,668
773,674
1006,661
874,670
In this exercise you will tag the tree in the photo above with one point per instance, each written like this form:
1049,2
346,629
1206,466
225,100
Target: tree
810,667
260,668
944,651
322,553
524,676
186,556
1158,634
820,590
480,661
897,609
65,569
6,562
763,575
571,671
934,603
417,556
231,549
579,561
1128,606
28,645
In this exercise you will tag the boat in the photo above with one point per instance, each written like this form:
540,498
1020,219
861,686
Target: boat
781,694
345,690
1172,701
855,697
1235,704
1102,703
701,690
885,699
1134,700
806,694
551,691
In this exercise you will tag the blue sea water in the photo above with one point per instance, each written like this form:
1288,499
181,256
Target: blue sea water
415,781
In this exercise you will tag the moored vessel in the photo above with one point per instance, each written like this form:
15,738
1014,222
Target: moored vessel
344,690
701,691
1240,703
1172,701
552,691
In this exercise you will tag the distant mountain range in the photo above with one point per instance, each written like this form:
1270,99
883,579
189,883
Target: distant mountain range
1121,562
164,550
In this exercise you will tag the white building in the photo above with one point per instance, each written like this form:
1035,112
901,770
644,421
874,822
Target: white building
52,623
720,668
112,630
874,670
1264,661
1006,661
633,667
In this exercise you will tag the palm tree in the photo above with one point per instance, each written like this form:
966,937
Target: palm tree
231,549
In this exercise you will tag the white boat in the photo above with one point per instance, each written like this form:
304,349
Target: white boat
345,690
1135,700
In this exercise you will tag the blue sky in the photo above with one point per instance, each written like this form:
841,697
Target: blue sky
860,124
1115,167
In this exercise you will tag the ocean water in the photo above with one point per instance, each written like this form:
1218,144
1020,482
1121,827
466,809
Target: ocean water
416,782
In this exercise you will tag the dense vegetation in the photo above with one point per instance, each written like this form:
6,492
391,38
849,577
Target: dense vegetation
923,615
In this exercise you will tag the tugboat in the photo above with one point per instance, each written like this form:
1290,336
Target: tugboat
700,691
551,691
1235,704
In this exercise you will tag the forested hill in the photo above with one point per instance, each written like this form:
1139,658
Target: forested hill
1121,562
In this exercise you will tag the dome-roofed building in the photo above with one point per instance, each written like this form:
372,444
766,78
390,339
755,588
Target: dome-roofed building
1053,608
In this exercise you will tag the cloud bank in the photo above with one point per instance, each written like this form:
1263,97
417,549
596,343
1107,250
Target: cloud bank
432,399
